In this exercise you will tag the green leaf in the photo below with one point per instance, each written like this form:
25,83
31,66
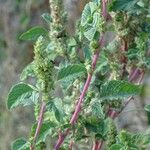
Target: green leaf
18,94
20,144
27,71
90,20
33,33
90,33
44,131
58,114
125,5
147,109
47,17
87,12
116,147
71,71
57,109
95,125
117,89
97,110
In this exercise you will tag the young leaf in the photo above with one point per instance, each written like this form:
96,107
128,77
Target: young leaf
147,109
71,71
18,94
116,89
20,144
85,14
33,33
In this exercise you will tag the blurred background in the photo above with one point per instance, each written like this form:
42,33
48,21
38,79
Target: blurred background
16,16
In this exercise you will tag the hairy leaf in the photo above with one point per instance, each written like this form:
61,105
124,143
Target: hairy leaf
125,5
71,71
116,89
90,33
90,20
87,12
20,144
33,33
18,94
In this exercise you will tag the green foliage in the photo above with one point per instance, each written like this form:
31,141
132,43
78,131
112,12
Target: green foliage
111,132
116,89
20,144
71,71
33,33
116,147
68,70
118,5
98,110
19,95
91,20
28,71
96,126
126,140
46,130
56,109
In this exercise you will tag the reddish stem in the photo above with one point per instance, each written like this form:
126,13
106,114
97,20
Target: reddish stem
61,139
97,145
124,58
85,88
78,106
104,10
71,145
39,125
134,74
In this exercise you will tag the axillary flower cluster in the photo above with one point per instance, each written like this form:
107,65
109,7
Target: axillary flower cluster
46,49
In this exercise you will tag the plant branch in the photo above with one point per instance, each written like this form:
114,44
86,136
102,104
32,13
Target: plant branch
39,125
61,139
79,103
71,145
87,84
134,73
97,145
85,88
